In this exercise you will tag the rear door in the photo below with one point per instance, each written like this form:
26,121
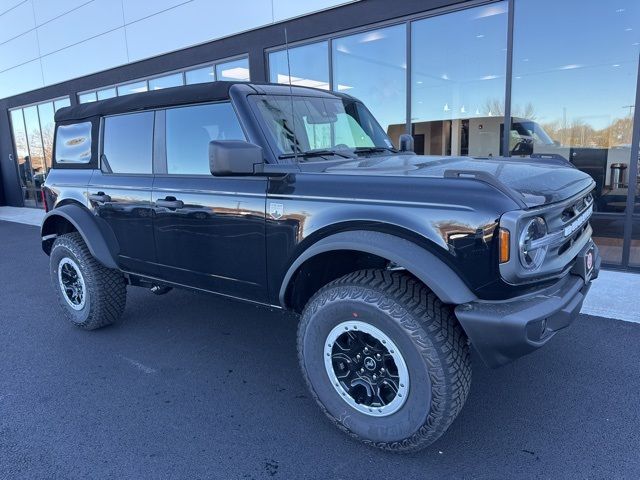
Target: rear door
209,231
120,192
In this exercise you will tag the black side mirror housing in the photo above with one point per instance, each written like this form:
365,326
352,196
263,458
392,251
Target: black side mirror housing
406,143
234,157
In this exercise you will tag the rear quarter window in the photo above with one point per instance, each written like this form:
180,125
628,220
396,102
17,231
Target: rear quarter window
73,143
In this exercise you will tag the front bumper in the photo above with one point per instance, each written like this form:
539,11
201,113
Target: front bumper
502,331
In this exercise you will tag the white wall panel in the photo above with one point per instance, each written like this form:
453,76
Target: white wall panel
90,20
83,58
8,5
21,79
80,37
283,9
46,10
19,50
136,9
195,22
16,21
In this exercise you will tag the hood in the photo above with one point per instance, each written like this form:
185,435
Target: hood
530,182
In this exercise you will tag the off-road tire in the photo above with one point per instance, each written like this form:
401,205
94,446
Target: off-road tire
426,332
106,290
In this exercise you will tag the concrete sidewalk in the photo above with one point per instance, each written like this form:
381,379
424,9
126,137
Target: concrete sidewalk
611,296
28,216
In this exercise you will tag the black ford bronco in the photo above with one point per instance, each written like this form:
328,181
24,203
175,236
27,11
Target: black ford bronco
295,198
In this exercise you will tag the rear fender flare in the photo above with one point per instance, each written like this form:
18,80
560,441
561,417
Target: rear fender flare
95,232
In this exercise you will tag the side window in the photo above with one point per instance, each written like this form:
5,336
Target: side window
128,143
189,131
73,143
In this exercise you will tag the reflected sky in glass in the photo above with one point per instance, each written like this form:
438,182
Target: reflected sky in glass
106,93
572,62
309,66
87,97
372,67
458,64
135,87
200,75
236,70
173,80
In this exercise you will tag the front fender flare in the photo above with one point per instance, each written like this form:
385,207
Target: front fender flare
95,232
422,263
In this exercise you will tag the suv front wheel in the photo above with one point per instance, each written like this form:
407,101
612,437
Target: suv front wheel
91,295
386,361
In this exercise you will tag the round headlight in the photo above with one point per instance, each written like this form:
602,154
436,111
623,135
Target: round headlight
531,256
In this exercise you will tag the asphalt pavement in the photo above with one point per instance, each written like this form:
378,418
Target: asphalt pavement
189,385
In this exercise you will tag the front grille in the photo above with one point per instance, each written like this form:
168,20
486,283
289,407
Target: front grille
568,232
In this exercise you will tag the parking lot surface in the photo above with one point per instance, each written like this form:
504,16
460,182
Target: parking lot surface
189,385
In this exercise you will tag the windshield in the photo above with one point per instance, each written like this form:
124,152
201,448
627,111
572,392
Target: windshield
322,125
532,129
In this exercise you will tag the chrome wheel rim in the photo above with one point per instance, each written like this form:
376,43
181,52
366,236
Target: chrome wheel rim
71,283
366,368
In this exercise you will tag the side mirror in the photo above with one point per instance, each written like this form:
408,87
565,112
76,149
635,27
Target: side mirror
406,143
234,157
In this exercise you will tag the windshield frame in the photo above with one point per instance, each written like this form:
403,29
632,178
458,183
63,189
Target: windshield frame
288,156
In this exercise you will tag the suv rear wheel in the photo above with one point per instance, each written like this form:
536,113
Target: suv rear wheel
91,295
386,361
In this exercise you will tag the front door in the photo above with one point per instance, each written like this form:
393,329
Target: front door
120,193
209,231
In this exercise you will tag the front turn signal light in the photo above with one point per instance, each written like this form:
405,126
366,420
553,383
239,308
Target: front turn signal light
504,245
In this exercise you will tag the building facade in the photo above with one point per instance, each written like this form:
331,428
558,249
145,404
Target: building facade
564,76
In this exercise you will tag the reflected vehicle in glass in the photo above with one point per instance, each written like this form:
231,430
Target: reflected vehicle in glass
296,198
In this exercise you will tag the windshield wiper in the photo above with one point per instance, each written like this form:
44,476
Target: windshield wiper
374,149
315,153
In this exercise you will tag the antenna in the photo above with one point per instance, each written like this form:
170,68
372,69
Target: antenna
293,118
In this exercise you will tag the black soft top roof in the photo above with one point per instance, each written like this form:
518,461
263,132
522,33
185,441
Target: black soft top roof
203,92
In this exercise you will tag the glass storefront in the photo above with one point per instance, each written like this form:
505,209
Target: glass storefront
309,66
574,98
32,129
458,87
372,66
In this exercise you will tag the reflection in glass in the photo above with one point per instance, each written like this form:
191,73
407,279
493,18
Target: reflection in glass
200,75
106,93
309,66
189,131
236,70
62,102
128,141
574,98
22,158
372,67
634,257
174,80
135,87
36,151
87,97
458,63
47,126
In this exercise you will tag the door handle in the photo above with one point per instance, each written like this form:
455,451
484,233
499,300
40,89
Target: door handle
99,197
170,202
